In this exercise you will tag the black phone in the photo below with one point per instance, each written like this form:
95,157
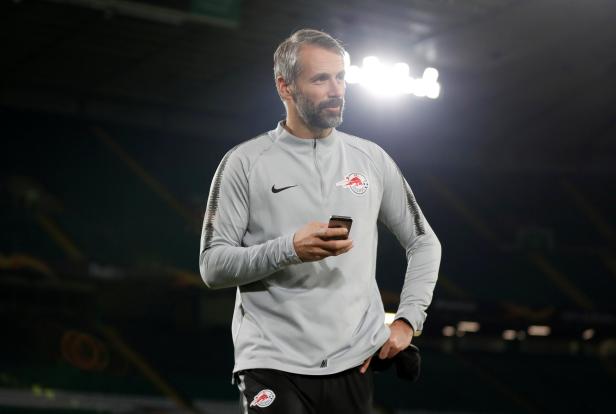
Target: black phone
340,221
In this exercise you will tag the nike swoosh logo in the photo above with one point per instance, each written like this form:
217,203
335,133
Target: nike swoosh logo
277,190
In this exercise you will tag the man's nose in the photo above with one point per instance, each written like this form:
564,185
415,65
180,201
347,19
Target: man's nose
336,88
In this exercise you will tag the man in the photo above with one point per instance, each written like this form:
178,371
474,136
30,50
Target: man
308,313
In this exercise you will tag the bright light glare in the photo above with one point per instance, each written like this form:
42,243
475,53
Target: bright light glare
371,62
347,59
430,75
401,70
420,88
353,74
407,85
433,90
382,79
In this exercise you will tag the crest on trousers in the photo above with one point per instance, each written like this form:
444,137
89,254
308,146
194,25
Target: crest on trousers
263,399
356,182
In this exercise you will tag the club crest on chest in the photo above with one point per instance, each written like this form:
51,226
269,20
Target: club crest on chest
356,182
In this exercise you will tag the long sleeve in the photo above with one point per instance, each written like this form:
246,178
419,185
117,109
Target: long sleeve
402,216
223,260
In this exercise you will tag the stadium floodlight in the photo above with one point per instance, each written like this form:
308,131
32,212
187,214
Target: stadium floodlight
420,88
430,75
449,330
468,326
588,334
509,334
539,330
384,80
433,90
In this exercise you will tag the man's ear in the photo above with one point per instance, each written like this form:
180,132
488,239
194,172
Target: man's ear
284,89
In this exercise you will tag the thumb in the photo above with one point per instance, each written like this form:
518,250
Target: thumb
384,351
364,367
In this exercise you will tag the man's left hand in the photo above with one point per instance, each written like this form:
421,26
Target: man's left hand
401,334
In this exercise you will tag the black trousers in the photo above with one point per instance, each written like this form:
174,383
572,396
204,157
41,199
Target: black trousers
278,392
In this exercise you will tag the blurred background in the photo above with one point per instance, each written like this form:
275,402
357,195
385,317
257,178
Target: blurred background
115,114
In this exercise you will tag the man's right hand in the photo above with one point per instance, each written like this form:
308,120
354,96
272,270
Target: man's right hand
312,243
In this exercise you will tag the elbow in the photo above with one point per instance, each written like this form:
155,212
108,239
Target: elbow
211,276
210,281
438,247
429,243
429,248
437,253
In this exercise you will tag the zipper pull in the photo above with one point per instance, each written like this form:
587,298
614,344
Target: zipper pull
314,143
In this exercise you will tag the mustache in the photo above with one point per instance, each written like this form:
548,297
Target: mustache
331,103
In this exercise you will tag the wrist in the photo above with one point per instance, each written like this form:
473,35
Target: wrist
406,325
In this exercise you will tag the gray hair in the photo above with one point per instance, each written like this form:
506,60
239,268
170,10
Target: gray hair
286,62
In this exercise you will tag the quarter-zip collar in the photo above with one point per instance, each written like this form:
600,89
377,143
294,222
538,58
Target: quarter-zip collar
297,144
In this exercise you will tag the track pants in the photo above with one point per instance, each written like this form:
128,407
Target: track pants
277,392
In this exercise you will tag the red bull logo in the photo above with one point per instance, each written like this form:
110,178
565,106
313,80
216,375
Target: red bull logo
263,399
357,183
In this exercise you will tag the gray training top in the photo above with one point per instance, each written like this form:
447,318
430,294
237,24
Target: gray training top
318,317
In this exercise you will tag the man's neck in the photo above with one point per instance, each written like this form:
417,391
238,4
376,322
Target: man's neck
298,128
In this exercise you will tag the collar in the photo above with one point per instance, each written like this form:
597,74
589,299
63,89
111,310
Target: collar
285,138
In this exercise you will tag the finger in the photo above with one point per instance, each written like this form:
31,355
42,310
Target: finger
318,254
341,251
384,351
393,352
334,245
321,229
364,367
337,232
327,233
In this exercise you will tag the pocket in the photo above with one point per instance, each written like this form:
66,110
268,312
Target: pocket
361,322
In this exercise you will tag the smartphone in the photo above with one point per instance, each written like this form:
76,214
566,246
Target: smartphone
340,221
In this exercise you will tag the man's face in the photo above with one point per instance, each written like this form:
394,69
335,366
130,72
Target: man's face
318,92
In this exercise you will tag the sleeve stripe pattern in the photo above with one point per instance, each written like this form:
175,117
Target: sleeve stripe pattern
412,204
212,204
414,208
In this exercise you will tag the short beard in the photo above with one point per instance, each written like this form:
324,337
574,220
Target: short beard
315,116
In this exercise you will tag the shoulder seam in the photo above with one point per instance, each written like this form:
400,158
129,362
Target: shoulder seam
254,161
257,156
212,204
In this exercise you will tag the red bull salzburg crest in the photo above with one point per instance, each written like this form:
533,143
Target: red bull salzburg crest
263,399
357,183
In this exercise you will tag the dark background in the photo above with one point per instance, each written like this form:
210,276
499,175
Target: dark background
114,116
